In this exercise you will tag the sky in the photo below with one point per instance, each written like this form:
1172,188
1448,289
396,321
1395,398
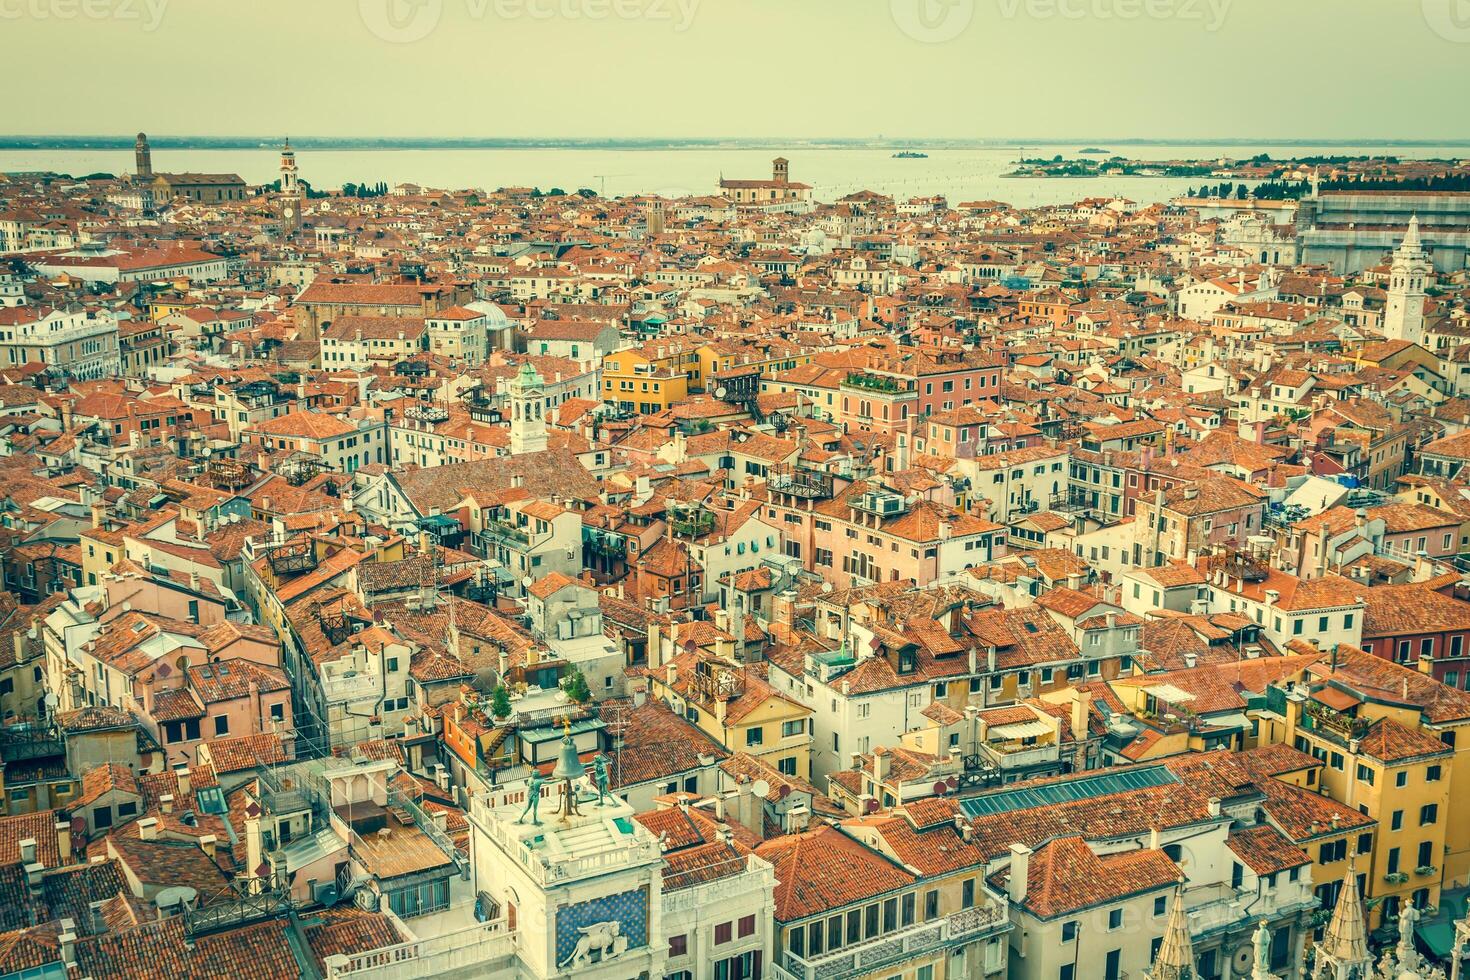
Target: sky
1168,69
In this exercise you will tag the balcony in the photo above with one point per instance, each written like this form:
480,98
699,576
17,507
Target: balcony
899,946
873,382
483,949
500,533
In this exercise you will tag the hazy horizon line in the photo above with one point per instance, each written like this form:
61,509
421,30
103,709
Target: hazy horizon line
70,141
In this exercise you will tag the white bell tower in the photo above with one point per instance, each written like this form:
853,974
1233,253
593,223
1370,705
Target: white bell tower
527,411
1403,311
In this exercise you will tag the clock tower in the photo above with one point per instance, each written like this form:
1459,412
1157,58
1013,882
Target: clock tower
291,197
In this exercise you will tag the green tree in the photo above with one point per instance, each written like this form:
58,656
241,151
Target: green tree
574,685
500,702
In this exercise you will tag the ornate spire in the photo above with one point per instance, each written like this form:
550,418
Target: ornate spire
1411,235
1345,943
1175,960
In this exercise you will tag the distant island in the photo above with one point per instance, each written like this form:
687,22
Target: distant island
910,155
1278,178
1093,151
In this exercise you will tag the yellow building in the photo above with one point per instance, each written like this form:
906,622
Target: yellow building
1395,745
767,359
736,707
650,378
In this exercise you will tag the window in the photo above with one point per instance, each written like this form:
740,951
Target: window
1161,905
678,945
1069,931
746,927
1365,774
790,728
1365,843
1067,972
1393,860
1432,774
1115,919
931,905
967,893
222,724
755,735
1401,778
722,933
1397,821
1428,814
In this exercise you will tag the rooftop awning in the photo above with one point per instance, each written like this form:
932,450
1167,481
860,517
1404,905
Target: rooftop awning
1022,729
1169,693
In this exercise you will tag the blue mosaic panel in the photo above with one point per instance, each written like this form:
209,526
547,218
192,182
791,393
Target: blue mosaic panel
628,909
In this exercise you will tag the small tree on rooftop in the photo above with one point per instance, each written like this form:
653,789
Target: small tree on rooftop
574,685
500,702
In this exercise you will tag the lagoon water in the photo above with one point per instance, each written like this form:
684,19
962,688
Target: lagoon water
959,174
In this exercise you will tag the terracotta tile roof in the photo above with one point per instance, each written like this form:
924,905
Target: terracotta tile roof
240,752
825,869
348,931
1065,876
657,744
1265,851
158,951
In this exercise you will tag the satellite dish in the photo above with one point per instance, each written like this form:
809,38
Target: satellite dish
760,788
528,581
720,393
51,699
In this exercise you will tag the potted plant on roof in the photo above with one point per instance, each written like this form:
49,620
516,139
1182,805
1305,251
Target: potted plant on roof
500,703
574,686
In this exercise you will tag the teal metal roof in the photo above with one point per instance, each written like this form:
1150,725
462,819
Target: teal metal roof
550,733
1067,791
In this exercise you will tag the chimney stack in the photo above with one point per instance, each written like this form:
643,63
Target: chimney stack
148,829
1020,868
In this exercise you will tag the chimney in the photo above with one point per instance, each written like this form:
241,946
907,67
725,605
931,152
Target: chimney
1020,868
671,673
207,844
1214,806
99,514
751,811
185,782
28,851
1081,707
148,829
63,840
166,803
68,941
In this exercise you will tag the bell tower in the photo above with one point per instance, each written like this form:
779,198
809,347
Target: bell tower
527,411
1403,311
143,159
291,196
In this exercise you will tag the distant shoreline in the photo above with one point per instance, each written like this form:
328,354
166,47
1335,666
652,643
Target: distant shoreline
111,142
